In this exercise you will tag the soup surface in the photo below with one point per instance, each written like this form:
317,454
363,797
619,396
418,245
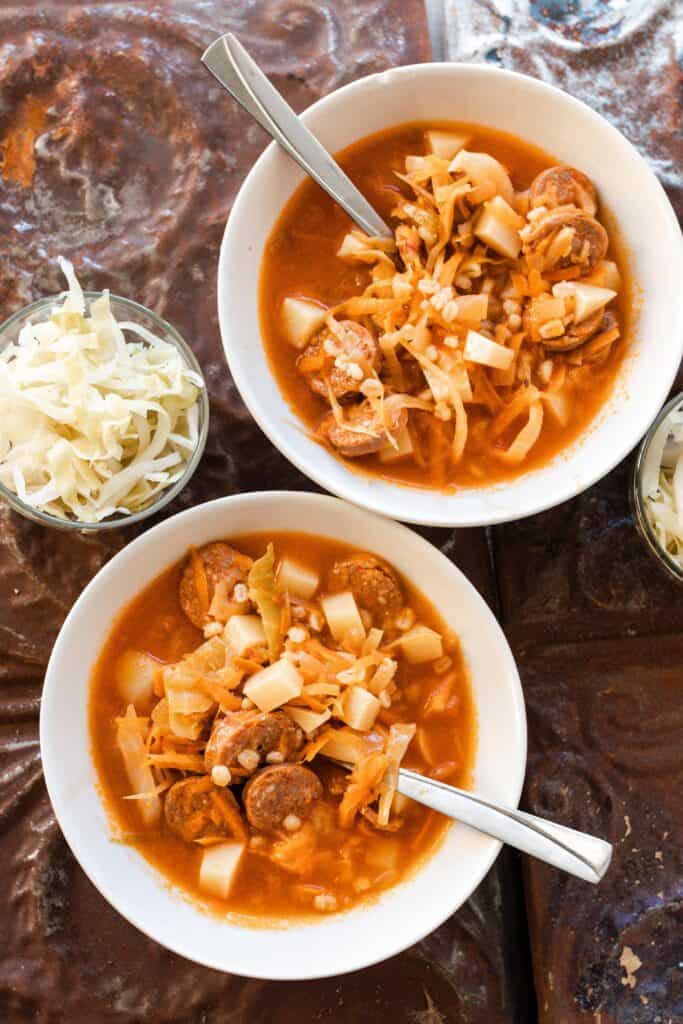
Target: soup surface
191,706
500,310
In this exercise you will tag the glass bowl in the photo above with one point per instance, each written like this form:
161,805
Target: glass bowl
122,309
638,500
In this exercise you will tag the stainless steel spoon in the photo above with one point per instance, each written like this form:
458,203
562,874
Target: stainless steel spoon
231,65
582,855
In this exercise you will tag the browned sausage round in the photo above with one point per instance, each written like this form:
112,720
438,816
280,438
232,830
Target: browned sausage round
261,732
576,334
219,562
196,809
355,344
278,791
588,244
350,442
563,186
374,584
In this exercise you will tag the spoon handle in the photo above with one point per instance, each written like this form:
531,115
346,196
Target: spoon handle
231,65
582,855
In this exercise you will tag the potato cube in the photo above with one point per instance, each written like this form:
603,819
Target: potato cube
308,720
359,708
421,644
134,676
243,633
274,686
298,579
219,867
588,299
480,349
505,213
343,617
300,319
498,235
472,308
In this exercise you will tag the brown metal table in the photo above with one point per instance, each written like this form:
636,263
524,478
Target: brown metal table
595,628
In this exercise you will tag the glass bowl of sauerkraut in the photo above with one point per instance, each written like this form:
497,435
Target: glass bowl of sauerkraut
657,488
103,410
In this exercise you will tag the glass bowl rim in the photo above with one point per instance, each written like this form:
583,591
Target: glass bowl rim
638,500
166,496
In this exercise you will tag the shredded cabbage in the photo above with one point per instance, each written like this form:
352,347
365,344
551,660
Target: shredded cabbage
263,592
91,423
662,484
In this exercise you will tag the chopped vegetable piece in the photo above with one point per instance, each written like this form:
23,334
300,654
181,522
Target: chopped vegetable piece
244,633
274,686
301,318
346,745
343,617
134,675
588,298
359,708
131,744
400,736
479,349
421,644
481,168
493,230
297,579
446,144
263,592
309,720
219,867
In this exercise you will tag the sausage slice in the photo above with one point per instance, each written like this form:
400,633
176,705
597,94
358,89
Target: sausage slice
588,245
563,186
351,443
352,345
219,562
260,732
278,791
374,584
196,809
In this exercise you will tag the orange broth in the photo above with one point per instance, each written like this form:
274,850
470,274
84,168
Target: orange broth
444,745
300,260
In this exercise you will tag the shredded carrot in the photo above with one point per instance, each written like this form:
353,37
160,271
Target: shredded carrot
247,665
184,762
362,786
563,274
221,694
305,700
313,747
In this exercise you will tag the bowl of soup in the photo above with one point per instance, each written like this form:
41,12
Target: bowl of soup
200,699
505,347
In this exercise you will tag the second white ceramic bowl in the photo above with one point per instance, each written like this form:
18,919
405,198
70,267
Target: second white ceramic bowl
338,943
568,130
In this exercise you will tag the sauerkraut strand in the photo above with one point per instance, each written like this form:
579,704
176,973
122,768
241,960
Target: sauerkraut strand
96,417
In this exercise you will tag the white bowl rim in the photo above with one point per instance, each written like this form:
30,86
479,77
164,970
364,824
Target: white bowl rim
73,832
382,496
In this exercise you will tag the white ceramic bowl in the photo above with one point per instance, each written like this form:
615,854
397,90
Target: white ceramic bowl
335,944
568,130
